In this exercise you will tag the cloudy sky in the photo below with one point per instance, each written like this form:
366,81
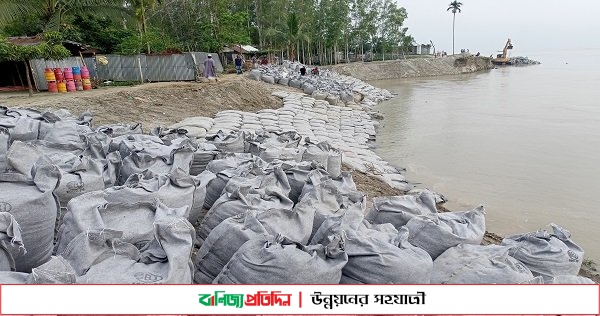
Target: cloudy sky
485,25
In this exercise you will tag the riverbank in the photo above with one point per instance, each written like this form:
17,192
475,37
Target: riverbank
167,103
412,68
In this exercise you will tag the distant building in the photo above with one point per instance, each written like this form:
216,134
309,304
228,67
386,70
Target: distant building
422,49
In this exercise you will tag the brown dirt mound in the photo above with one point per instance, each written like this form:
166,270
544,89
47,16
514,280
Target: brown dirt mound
158,104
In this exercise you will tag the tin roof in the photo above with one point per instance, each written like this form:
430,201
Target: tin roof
25,40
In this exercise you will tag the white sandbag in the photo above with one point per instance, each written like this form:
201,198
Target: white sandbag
278,260
376,256
103,257
10,237
174,190
82,174
114,130
4,144
547,254
35,208
225,239
398,210
262,193
232,165
160,161
230,143
436,233
93,211
196,121
476,264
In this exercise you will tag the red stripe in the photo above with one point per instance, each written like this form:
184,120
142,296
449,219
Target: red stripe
300,299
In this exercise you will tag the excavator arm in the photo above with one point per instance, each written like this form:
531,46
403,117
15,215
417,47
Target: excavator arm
506,48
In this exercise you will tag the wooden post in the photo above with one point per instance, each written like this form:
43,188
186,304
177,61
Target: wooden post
34,80
140,68
28,79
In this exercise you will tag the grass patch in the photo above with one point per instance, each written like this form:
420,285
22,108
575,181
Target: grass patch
590,264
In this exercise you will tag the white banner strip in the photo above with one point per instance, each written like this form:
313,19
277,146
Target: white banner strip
300,299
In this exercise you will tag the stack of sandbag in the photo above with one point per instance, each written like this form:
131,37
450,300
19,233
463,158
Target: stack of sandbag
32,202
269,191
547,254
299,174
328,199
226,167
195,127
227,237
157,251
271,146
145,153
203,155
56,127
318,153
228,121
477,264
279,260
132,208
174,190
377,254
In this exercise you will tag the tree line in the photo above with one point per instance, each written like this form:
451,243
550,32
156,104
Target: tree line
310,31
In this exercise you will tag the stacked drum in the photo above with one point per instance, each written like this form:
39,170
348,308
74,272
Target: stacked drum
69,80
51,79
77,78
60,80
85,75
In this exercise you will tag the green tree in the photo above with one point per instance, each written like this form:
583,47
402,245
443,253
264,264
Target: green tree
139,9
53,13
455,7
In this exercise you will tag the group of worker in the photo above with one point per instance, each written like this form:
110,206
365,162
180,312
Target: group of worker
314,71
210,70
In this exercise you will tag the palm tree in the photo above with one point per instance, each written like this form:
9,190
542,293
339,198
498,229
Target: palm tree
455,7
138,10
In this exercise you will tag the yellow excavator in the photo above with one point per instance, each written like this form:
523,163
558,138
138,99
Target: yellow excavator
502,59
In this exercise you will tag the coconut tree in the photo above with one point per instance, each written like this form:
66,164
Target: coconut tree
138,8
455,7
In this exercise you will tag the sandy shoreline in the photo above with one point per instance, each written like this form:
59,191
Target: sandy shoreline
162,104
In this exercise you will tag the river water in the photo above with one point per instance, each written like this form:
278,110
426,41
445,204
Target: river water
522,141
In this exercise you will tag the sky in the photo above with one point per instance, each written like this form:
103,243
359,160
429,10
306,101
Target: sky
485,25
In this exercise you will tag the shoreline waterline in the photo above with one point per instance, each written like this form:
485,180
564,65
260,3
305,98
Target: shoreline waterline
501,139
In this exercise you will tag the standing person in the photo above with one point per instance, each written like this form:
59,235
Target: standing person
209,68
302,71
254,64
238,64
276,60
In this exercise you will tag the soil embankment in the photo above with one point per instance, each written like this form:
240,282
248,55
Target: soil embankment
411,68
